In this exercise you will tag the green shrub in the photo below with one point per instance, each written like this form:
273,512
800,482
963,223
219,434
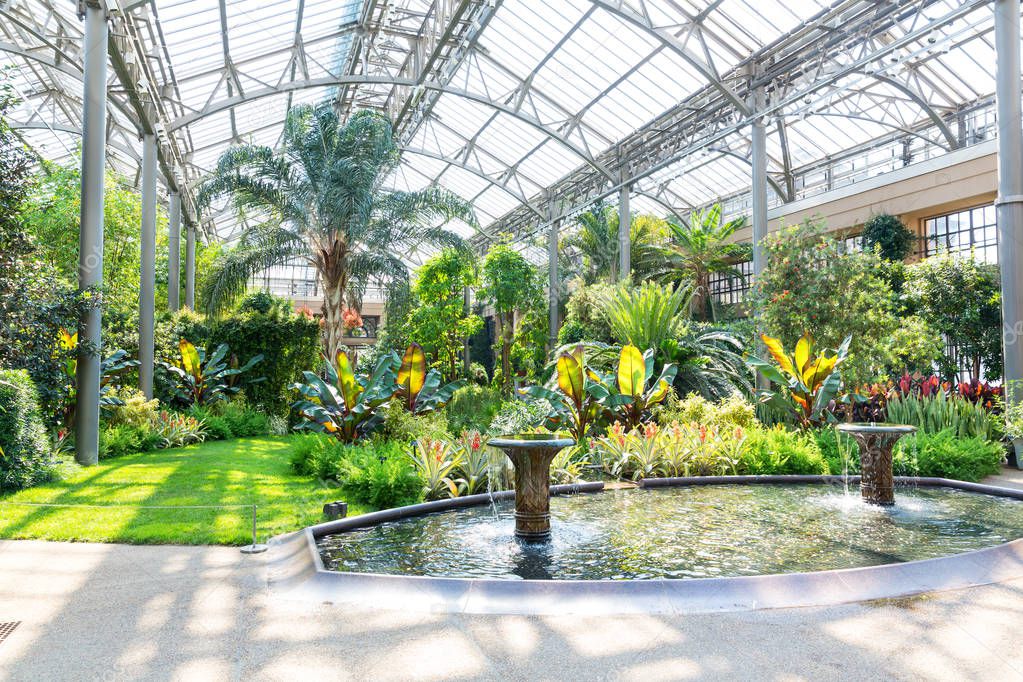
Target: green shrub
242,419
780,451
945,455
289,344
217,427
838,449
519,416
726,413
381,476
314,454
122,439
27,457
473,408
135,410
403,427
939,412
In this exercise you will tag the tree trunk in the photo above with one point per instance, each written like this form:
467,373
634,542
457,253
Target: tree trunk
700,296
335,281
507,336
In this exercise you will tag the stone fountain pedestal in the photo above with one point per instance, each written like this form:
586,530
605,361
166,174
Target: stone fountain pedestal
531,456
877,481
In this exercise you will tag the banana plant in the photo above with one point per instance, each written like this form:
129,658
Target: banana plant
581,398
202,380
114,364
420,391
633,381
345,405
807,382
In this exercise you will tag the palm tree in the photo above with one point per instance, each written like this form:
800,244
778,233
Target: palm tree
321,193
596,239
703,247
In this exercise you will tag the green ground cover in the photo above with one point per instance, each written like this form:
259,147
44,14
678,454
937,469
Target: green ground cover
233,472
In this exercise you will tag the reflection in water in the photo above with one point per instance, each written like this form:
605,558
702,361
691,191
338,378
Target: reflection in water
534,560
700,531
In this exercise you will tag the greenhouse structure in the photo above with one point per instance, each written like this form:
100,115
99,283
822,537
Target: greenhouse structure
511,338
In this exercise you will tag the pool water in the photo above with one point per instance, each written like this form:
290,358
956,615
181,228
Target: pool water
686,532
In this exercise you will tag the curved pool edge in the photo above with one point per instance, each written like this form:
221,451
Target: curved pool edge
296,571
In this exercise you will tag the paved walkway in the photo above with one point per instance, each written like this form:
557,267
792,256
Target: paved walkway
114,612
1008,477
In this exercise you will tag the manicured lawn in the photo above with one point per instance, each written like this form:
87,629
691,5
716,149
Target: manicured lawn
233,472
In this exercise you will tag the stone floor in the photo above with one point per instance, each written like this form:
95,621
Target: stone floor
1009,477
113,612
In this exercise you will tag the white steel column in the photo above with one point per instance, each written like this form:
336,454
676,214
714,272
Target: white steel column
147,281
190,266
758,140
1009,205
624,235
174,252
90,236
553,284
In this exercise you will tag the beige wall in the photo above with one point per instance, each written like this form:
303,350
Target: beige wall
959,179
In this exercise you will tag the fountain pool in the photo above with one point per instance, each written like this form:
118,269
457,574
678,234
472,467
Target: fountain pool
704,531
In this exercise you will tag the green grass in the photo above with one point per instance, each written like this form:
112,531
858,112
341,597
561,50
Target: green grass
232,472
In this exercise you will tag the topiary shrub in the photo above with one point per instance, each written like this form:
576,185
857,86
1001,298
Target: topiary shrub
27,457
890,235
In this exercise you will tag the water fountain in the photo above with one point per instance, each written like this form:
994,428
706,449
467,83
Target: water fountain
531,454
877,484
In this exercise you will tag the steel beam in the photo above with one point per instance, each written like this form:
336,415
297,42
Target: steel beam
1009,205
174,252
90,236
190,266
147,280
758,176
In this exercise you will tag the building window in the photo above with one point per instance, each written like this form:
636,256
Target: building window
726,288
962,232
850,244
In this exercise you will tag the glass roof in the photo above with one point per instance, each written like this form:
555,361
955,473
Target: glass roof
531,109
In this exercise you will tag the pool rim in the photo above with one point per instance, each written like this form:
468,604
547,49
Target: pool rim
296,569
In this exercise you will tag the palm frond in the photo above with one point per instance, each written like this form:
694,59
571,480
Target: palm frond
259,248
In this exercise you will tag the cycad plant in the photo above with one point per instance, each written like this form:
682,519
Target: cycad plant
703,247
647,315
322,198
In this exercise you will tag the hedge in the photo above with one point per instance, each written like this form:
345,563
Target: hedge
27,457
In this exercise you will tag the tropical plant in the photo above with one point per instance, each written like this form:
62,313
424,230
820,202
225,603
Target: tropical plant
704,247
939,411
510,283
436,461
961,297
811,282
111,366
203,380
635,380
645,316
709,361
807,383
345,405
322,192
420,391
176,430
581,398
595,239
474,463
440,318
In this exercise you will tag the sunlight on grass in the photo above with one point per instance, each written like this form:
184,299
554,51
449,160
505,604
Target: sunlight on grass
235,472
